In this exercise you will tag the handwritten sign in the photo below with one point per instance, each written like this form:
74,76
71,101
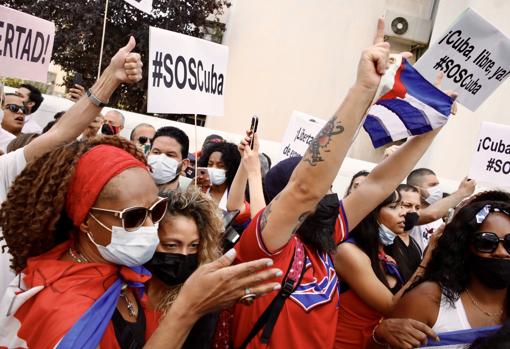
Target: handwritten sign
300,132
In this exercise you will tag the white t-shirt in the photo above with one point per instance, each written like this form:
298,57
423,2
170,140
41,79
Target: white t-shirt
31,126
11,165
421,233
5,138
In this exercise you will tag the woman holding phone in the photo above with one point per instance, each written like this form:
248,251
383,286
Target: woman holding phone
222,161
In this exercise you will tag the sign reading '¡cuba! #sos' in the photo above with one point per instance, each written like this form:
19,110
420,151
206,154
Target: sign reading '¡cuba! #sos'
186,74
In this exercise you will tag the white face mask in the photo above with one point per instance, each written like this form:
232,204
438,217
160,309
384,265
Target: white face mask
217,175
129,248
164,168
386,235
435,194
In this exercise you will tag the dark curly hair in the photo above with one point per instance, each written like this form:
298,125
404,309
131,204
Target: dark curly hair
33,218
229,155
449,261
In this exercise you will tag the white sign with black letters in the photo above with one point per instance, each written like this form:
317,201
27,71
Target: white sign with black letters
474,57
300,132
491,160
26,44
186,75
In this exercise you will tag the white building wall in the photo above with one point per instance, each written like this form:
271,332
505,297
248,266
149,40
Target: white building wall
301,55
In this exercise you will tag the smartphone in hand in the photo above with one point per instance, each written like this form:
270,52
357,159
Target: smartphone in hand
253,129
77,80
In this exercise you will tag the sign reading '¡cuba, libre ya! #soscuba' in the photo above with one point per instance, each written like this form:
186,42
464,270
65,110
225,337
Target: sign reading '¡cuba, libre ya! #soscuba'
26,45
474,57
186,74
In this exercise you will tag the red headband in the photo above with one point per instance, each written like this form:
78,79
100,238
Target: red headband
94,169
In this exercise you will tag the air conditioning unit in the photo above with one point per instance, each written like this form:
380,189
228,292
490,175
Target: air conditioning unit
407,28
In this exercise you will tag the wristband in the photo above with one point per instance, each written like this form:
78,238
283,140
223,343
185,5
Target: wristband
373,335
96,101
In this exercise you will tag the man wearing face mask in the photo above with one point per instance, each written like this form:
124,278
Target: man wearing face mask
433,205
113,123
142,135
168,158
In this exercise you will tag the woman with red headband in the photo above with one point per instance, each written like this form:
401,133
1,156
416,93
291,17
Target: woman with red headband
80,222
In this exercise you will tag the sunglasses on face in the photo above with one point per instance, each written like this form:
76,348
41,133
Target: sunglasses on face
143,139
15,108
134,217
487,242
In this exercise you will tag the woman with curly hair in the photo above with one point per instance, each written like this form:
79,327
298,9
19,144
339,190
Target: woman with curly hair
465,285
80,222
222,161
189,236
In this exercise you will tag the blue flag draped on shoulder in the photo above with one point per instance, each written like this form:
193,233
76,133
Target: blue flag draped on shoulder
461,338
409,105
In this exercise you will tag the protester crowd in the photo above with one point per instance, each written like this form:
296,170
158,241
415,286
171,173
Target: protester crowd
125,243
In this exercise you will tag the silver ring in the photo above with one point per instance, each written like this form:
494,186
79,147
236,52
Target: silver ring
247,299
247,291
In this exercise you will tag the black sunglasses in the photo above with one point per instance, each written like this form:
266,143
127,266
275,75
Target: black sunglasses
487,242
15,108
134,217
143,139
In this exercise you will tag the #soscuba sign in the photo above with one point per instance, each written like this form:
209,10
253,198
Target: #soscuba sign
474,57
186,74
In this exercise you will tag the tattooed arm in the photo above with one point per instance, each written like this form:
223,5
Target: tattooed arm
313,176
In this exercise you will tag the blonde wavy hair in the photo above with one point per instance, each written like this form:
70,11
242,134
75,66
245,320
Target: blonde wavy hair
194,204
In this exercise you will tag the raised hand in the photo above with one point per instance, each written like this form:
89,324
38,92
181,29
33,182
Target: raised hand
127,65
467,187
76,92
374,61
250,158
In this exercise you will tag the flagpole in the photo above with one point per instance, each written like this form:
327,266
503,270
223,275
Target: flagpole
196,151
102,40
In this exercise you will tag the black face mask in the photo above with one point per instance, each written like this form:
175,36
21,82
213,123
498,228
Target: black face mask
172,268
317,230
411,219
492,272
109,130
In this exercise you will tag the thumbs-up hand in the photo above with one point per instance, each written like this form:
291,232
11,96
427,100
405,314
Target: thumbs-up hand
127,65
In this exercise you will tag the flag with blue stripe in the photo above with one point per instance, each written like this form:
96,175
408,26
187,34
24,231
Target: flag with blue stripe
462,338
409,105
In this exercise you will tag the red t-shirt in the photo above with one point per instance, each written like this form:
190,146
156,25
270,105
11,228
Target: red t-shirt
308,318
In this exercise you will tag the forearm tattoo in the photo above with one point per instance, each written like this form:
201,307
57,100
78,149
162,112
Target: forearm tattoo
321,142
265,215
300,221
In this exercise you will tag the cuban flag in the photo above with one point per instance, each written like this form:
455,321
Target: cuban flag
409,105
461,339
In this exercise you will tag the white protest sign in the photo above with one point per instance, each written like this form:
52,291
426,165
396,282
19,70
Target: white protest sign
491,160
474,57
26,44
300,132
142,5
186,74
